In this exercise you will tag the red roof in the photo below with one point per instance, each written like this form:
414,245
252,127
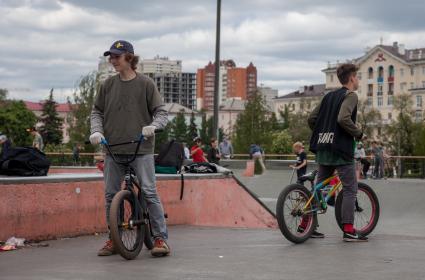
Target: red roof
38,106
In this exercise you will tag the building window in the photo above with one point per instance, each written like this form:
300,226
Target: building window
380,89
412,71
380,99
391,71
390,116
390,100
402,87
370,73
332,78
401,72
423,84
423,70
359,75
418,116
369,101
369,90
390,89
412,85
418,100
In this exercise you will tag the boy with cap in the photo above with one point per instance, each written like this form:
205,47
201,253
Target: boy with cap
127,105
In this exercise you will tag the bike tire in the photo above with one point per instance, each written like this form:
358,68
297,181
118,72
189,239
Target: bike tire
281,212
149,239
122,203
366,224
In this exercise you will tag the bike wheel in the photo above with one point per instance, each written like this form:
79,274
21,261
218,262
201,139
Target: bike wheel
366,211
126,237
294,225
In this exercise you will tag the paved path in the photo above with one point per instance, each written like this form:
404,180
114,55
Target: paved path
395,250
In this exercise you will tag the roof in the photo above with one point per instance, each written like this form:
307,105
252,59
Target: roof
38,106
233,104
408,56
306,91
175,108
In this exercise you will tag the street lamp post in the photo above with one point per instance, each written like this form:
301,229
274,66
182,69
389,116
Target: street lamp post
217,70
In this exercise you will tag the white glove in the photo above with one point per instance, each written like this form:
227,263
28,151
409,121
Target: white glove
96,138
148,131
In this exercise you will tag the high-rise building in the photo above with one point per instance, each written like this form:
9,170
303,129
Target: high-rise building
234,82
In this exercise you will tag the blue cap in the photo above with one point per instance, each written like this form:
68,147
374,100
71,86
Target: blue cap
119,47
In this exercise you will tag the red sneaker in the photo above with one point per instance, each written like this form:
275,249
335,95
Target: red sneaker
107,250
160,248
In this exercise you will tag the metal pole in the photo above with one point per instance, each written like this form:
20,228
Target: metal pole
217,70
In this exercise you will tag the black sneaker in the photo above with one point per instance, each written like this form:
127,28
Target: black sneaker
354,237
314,234
317,234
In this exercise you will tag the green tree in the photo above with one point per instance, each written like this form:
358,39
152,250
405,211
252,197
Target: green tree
203,132
419,139
179,127
253,125
192,129
3,94
401,131
52,123
368,117
282,142
163,136
81,106
15,118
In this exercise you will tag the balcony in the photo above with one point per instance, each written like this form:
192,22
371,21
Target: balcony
391,79
380,80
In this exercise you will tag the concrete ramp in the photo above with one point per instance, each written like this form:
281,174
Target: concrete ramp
220,202
64,205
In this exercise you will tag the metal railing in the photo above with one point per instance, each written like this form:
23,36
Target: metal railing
394,166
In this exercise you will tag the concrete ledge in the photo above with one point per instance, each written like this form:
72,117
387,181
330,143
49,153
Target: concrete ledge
65,205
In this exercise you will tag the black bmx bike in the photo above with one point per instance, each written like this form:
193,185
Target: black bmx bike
129,221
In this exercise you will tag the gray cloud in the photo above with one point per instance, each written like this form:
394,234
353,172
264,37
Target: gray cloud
53,43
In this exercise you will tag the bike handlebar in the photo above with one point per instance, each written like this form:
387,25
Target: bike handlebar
108,146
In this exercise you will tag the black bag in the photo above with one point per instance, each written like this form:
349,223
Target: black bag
170,154
201,167
25,161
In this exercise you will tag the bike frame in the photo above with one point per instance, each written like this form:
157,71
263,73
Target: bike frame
317,195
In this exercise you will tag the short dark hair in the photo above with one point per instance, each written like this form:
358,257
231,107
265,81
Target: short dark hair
213,140
345,71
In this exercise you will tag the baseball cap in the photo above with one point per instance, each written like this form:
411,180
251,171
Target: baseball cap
119,47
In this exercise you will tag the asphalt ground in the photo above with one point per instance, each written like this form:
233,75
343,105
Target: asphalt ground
396,249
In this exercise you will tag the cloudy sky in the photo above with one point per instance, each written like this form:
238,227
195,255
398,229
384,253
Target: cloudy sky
52,43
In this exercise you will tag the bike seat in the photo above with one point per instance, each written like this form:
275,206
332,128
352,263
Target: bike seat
308,177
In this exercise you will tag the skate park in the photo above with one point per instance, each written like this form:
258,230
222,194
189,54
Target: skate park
245,242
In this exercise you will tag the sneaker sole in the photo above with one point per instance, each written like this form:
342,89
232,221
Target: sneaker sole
160,254
354,240
318,237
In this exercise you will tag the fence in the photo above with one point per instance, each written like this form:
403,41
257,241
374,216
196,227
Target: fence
394,167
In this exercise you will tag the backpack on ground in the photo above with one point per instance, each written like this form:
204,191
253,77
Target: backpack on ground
170,158
25,161
200,167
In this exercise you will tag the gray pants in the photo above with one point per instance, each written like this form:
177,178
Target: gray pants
347,175
144,168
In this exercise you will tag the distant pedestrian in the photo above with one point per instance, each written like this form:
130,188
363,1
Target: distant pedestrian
38,140
226,149
257,153
213,155
377,158
186,151
197,152
5,146
76,153
301,164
